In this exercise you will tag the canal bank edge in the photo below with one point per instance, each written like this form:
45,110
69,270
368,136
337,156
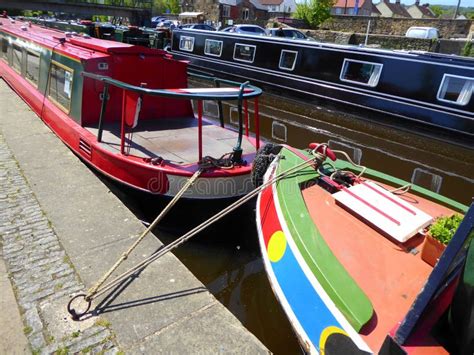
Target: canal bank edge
61,229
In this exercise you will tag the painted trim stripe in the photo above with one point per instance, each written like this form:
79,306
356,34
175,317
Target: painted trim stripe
302,297
390,198
360,199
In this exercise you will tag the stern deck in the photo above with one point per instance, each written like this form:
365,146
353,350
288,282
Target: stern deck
174,140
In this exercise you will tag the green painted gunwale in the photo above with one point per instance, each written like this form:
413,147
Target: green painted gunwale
349,298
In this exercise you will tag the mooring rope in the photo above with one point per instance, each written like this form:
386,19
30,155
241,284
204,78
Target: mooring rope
95,292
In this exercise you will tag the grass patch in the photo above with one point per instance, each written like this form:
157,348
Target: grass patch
27,330
102,323
62,351
87,350
76,334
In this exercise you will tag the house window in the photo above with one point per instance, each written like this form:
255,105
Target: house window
186,43
213,47
245,14
17,55
225,11
60,85
287,60
360,72
244,52
32,66
456,89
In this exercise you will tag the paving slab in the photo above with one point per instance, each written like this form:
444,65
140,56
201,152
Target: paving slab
65,211
12,337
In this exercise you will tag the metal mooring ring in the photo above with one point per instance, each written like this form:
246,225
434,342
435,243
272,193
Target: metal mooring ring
76,315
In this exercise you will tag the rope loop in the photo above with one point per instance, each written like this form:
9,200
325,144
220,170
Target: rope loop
224,162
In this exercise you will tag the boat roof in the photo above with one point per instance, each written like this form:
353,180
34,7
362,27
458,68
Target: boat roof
426,56
80,47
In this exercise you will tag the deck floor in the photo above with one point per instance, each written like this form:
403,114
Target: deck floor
389,275
175,140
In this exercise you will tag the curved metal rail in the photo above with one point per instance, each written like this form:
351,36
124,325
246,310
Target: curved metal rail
246,91
239,92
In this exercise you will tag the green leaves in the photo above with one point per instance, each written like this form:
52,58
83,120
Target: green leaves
444,227
161,6
314,12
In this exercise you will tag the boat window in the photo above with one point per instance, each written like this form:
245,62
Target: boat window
16,58
60,85
213,47
4,48
244,52
287,60
186,43
360,72
456,89
32,66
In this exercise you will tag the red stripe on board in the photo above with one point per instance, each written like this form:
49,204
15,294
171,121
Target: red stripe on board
389,198
369,205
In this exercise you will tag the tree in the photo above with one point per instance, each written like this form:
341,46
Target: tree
173,6
159,7
314,12
437,10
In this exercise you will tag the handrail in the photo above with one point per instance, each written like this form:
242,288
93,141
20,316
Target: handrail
238,147
173,93
244,92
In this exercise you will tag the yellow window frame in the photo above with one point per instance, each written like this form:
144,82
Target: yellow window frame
70,70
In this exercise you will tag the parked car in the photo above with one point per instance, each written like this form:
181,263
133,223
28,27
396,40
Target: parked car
423,32
168,24
156,20
287,33
197,26
246,29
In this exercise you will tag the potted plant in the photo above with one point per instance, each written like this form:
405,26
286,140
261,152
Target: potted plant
438,236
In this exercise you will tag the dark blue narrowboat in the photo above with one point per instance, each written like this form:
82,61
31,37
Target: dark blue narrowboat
428,88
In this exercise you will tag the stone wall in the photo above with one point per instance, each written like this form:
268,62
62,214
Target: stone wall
397,42
390,42
455,47
396,26
331,36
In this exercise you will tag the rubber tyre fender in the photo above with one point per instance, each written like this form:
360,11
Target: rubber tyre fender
262,161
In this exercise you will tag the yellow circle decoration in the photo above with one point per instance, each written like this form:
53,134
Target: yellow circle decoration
325,335
276,246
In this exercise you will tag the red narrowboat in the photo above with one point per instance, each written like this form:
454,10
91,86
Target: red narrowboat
127,111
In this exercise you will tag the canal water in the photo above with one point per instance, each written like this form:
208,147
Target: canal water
227,259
